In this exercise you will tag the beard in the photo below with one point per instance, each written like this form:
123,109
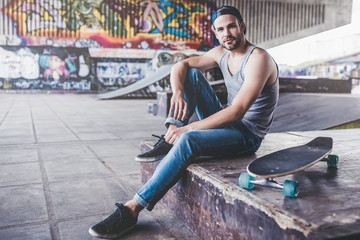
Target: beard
232,46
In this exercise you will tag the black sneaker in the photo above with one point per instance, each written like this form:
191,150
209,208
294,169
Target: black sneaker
116,225
161,148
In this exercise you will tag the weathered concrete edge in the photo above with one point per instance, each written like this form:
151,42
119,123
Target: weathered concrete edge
203,181
202,207
231,193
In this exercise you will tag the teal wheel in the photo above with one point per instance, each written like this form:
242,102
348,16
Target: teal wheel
290,188
245,181
333,161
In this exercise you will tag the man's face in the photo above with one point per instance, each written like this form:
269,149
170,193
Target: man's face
228,31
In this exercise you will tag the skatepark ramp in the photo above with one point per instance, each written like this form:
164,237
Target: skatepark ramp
131,90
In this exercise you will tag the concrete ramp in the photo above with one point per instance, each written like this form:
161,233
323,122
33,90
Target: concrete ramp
151,78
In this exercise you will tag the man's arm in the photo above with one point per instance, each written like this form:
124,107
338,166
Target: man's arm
177,78
258,72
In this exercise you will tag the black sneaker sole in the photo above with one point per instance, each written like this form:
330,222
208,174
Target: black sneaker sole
110,236
149,159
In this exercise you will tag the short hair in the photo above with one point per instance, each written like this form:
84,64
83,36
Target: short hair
227,10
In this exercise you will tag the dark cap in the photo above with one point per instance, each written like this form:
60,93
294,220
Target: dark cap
226,10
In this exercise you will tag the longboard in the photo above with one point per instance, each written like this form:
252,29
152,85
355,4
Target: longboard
263,170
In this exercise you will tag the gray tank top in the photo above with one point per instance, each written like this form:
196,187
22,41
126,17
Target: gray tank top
261,114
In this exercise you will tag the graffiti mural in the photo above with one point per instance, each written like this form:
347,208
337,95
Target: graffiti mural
112,74
52,44
73,69
141,24
57,65
45,68
13,64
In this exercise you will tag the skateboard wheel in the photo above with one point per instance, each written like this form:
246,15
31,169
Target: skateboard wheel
290,188
333,161
245,181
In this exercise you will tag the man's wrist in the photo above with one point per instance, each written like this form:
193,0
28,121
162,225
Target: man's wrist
188,127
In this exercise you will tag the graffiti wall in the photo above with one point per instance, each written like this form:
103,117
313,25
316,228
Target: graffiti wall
131,24
116,73
336,71
72,69
45,68
99,45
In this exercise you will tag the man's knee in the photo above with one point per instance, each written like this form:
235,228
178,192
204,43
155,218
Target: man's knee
194,71
188,139
187,144
193,74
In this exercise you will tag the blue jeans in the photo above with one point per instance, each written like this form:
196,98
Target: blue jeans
233,140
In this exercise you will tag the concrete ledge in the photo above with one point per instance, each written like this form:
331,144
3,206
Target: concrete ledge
209,201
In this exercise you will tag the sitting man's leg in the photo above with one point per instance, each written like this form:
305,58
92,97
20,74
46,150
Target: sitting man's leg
234,140
226,142
201,98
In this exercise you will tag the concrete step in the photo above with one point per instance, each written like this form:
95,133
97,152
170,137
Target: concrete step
210,202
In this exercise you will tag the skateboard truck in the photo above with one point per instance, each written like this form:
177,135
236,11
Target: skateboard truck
289,188
267,182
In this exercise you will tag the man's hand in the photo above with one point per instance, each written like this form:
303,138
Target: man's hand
178,106
174,133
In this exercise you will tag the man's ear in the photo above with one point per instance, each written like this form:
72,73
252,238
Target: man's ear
214,31
243,27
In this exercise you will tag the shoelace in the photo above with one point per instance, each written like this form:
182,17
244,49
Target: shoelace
161,138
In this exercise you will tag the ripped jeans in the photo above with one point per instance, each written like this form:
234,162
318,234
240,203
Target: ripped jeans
233,140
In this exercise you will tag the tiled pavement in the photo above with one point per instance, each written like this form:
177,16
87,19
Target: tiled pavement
66,159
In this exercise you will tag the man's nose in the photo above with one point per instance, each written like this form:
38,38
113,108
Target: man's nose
226,32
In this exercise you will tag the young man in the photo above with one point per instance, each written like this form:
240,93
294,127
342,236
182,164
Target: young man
251,78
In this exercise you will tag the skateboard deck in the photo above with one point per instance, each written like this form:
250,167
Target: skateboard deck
288,161
291,160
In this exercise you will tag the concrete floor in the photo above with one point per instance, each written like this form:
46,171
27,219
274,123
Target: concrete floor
65,161
311,112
